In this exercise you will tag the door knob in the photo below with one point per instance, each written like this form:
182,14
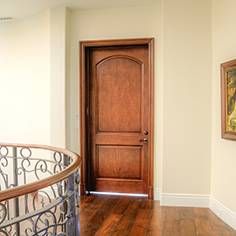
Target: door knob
145,132
144,140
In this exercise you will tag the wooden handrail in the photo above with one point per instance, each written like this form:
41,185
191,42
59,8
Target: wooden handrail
40,184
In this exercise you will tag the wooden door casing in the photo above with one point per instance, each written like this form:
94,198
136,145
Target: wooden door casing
118,103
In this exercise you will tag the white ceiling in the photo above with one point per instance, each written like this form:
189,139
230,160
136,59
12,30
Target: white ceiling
23,8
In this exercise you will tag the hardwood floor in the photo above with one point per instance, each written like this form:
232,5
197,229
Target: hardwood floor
103,215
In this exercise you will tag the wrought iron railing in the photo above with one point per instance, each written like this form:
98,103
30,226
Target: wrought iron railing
38,191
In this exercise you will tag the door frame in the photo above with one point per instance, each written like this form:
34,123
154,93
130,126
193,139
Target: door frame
83,87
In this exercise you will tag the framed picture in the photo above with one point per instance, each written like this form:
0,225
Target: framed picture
228,100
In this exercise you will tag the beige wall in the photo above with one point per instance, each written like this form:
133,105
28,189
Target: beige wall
58,35
24,79
182,83
43,50
187,96
33,78
223,185
116,23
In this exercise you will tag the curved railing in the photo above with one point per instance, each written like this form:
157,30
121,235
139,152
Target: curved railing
38,190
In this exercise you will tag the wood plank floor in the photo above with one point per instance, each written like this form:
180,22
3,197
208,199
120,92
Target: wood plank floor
103,215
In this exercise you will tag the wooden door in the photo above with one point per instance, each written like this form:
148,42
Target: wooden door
119,119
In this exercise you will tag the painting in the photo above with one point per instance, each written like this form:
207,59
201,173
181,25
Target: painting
228,100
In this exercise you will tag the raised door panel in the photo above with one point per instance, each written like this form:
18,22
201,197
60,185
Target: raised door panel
119,95
115,162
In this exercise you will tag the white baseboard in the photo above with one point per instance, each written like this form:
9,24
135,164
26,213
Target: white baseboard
224,213
184,200
156,194
196,200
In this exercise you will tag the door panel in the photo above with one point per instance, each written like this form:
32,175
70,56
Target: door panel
118,78
119,113
114,162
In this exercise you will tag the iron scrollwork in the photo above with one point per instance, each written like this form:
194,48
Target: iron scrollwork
50,211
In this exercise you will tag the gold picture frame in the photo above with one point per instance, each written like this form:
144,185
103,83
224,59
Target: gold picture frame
228,100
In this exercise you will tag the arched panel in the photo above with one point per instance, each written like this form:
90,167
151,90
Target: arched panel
119,86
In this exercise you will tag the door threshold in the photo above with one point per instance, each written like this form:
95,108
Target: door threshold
118,194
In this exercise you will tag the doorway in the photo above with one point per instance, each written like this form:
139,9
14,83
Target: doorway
116,102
